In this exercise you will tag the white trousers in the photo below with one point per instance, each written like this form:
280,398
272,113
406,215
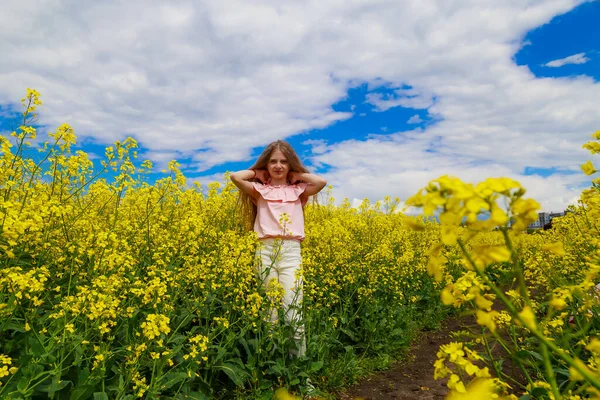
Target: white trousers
280,259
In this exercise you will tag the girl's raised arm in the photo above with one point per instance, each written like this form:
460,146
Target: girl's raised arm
241,180
316,183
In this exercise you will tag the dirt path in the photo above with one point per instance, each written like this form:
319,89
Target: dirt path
412,378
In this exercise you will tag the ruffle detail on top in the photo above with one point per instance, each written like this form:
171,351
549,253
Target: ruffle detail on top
281,193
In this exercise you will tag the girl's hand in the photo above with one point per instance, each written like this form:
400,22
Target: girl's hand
294,177
262,175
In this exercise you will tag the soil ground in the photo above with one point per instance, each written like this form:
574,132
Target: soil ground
413,377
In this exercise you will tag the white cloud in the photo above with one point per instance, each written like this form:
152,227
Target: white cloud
415,119
317,146
578,58
93,156
402,166
409,98
210,81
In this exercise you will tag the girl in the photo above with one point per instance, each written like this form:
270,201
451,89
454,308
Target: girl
273,193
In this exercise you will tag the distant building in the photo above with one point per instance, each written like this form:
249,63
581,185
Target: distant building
545,218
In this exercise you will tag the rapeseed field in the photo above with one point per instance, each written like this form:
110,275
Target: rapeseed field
115,288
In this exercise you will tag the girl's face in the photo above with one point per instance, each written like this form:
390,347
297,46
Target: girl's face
278,166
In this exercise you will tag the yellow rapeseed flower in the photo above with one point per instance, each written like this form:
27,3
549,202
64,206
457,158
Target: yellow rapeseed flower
479,389
527,317
588,168
154,325
555,248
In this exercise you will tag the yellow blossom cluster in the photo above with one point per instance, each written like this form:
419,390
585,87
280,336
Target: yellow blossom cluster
465,362
154,325
197,346
532,294
5,366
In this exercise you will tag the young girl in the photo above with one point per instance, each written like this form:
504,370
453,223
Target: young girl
273,193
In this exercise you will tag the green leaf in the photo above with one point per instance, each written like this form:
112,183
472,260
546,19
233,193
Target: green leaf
37,348
315,366
173,378
254,344
539,393
244,343
13,326
78,355
397,332
54,387
562,371
82,375
82,392
178,338
238,362
23,387
100,396
526,355
536,355
350,334
275,369
220,353
268,395
234,373
266,384
31,370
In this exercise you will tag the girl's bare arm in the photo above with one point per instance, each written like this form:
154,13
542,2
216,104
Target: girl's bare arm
316,183
241,180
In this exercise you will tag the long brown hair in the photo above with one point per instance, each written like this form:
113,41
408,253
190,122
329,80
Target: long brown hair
247,206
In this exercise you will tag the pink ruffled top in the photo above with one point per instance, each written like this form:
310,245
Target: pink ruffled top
279,211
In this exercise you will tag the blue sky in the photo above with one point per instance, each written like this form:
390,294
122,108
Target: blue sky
378,97
575,32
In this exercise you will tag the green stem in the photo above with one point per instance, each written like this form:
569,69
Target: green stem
550,372
516,267
33,175
490,355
